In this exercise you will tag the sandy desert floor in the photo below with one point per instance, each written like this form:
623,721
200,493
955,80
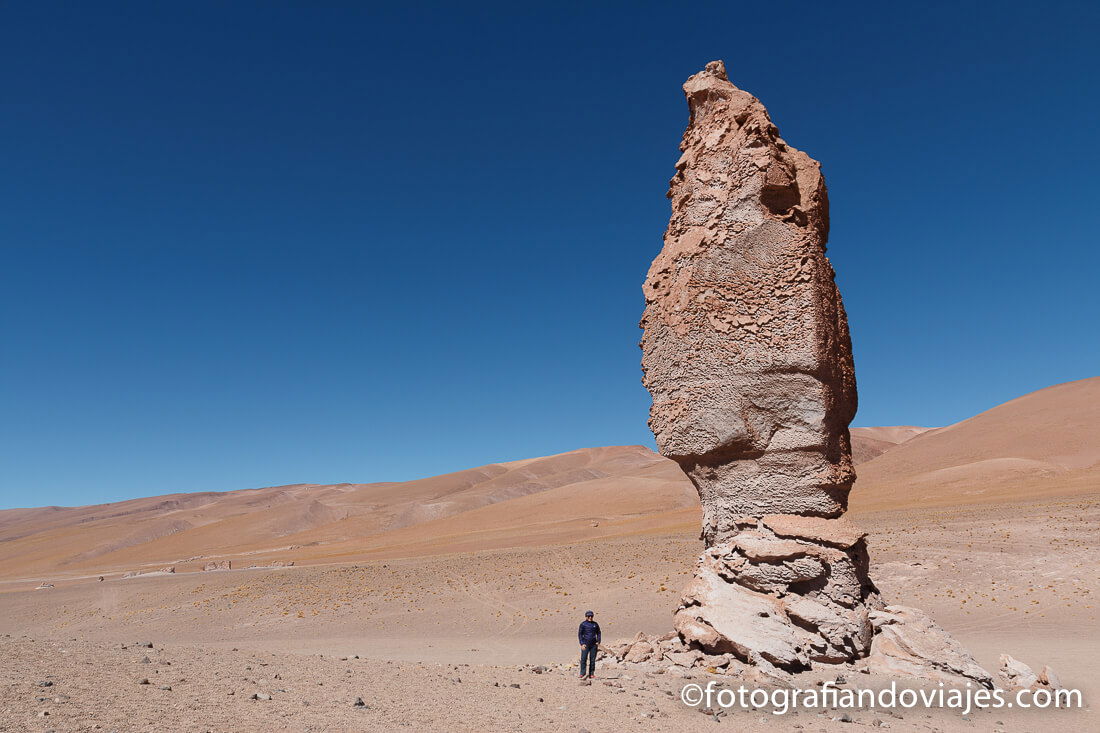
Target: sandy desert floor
440,642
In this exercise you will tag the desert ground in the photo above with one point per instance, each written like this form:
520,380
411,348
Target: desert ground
451,603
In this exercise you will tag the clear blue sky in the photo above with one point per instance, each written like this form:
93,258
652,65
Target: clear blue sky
248,244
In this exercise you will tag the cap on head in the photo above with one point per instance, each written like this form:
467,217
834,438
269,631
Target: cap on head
588,614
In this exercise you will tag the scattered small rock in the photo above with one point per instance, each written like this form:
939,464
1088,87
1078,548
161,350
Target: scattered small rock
1049,678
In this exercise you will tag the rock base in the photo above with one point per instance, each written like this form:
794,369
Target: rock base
785,590
785,594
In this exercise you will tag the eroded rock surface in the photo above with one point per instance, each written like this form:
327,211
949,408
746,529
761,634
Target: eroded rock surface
907,643
789,600
746,349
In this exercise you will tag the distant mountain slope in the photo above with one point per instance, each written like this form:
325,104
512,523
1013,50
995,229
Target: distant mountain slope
868,443
1043,444
181,528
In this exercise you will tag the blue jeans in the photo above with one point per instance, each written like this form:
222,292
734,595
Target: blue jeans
588,656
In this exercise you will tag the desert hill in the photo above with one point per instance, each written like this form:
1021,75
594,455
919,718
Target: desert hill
868,443
1045,444
189,529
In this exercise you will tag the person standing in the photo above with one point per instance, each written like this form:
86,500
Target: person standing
589,636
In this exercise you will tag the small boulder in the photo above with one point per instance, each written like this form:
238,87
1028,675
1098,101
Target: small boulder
713,660
639,651
684,659
1017,674
1048,678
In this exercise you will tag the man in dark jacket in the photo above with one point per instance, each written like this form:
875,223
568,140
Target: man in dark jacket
589,636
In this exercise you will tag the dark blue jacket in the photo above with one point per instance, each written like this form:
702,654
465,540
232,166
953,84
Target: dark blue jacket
588,633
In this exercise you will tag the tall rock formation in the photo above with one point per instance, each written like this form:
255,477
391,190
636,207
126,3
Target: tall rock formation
747,356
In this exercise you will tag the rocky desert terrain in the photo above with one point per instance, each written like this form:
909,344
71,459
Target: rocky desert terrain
451,603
